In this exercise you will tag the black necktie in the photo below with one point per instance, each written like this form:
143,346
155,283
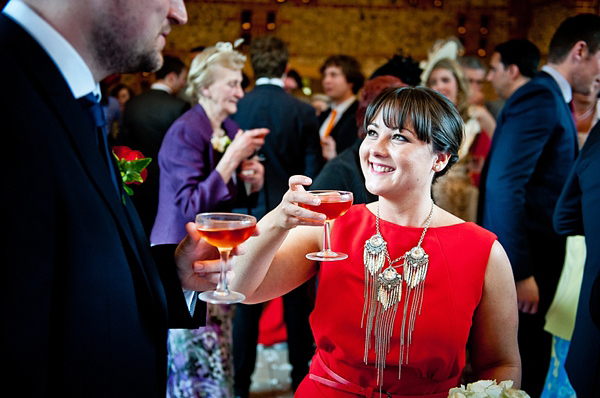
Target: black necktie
91,104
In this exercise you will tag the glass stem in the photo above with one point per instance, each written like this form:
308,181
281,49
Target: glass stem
222,285
327,237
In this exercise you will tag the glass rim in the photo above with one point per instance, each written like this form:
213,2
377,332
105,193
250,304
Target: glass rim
326,191
238,217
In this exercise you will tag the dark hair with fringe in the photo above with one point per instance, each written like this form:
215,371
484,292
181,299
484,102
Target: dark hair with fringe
431,115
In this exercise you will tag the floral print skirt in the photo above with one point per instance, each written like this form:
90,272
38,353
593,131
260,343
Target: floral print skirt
200,361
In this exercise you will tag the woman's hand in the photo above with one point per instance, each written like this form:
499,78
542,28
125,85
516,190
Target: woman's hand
253,173
290,213
243,146
245,143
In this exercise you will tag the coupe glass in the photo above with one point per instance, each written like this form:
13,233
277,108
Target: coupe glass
333,205
224,231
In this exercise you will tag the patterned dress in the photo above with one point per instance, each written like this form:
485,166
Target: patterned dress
200,362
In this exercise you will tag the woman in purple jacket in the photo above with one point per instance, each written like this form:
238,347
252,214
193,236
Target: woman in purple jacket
206,165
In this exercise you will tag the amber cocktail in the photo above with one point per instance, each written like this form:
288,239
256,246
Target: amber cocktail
224,231
333,204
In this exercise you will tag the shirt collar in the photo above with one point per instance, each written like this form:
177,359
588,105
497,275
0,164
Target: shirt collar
76,73
161,86
563,84
269,80
343,106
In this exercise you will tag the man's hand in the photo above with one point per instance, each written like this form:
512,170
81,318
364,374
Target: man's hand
197,262
328,148
528,295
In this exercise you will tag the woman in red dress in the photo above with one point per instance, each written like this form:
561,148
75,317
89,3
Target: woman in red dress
395,317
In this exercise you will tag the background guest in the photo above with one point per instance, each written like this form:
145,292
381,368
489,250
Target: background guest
532,153
292,147
146,119
342,79
457,192
200,173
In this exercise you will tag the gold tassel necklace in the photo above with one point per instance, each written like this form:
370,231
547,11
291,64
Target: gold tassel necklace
383,291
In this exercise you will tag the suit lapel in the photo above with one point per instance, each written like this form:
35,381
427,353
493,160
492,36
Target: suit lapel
56,94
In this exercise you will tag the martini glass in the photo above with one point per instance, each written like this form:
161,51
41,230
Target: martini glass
224,231
333,205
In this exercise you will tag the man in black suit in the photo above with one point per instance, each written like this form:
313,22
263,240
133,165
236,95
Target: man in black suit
84,307
342,79
532,152
577,213
292,147
146,119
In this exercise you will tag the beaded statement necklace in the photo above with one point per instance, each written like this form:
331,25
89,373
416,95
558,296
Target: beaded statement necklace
383,291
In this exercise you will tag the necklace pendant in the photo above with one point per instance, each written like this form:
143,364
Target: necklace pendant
374,253
415,266
390,288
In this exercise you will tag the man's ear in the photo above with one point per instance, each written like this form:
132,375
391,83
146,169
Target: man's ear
513,71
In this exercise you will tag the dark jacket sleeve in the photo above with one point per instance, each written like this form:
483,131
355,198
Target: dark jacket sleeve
179,314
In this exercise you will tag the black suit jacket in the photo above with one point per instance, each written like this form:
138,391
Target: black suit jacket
345,131
578,213
83,306
146,119
292,145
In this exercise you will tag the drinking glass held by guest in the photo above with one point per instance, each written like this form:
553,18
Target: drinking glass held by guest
418,283
84,306
205,167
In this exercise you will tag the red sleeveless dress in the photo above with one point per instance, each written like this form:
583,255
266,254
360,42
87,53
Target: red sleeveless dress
458,256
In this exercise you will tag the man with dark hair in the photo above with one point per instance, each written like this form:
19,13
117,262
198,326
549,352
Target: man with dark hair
513,64
84,307
342,79
475,72
533,149
291,147
146,119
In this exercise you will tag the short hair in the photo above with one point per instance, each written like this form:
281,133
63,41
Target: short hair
350,68
522,53
404,68
462,95
269,56
582,27
370,90
293,73
470,62
170,65
202,69
432,116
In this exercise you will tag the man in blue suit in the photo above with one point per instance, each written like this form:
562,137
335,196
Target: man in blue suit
84,307
533,150
578,213
292,147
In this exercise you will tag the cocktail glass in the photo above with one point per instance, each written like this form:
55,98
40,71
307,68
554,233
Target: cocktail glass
224,231
333,205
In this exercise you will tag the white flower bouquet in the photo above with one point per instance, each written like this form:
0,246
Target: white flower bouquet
487,389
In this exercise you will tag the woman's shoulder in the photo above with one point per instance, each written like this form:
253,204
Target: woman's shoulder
451,223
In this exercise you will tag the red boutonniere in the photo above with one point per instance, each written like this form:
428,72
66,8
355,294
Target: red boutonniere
132,165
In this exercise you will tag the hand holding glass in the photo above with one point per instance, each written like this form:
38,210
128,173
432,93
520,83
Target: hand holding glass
333,205
224,231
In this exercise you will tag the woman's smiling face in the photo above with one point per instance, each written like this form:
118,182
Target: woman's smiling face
395,161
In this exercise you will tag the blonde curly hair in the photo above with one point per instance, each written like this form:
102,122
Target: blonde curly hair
202,69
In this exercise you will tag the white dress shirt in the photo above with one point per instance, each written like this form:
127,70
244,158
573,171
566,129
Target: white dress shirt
340,109
77,74
563,84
